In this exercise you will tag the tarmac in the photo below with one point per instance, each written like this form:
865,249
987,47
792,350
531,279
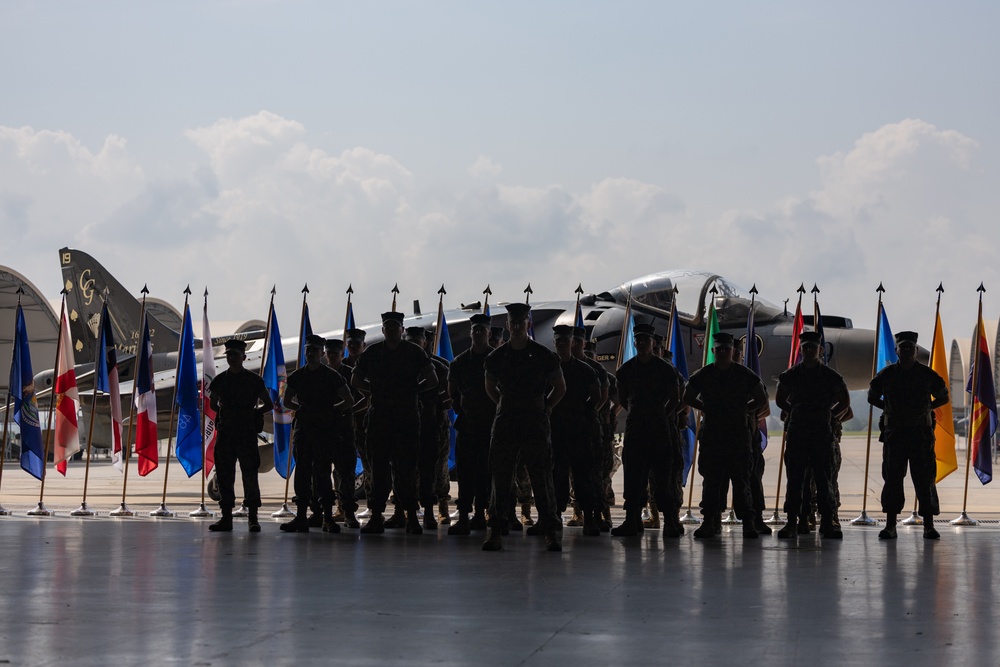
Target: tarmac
142,590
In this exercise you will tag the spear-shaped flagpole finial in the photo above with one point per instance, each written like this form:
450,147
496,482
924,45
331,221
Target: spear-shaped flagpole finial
442,291
814,290
274,290
305,289
350,290
940,288
395,291
753,290
187,290
714,290
487,291
980,289
801,289
579,288
206,292
527,293
880,289
145,290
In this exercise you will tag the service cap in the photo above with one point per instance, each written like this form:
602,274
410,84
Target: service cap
334,344
234,344
480,320
355,335
643,330
518,311
392,316
562,331
722,340
906,337
810,338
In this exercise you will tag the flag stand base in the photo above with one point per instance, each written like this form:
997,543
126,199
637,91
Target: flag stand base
201,513
122,510
364,514
863,520
731,519
83,510
284,512
162,511
914,520
775,520
690,518
4,512
964,520
39,511
242,511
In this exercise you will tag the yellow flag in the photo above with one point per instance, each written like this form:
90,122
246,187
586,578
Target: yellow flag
944,432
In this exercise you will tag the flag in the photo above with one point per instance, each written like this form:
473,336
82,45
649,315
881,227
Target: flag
531,325
751,359
578,319
886,343
145,407
794,355
818,328
188,443
349,323
22,390
67,401
444,349
305,330
711,329
680,363
107,382
983,423
628,346
486,309
274,380
944,430
207,375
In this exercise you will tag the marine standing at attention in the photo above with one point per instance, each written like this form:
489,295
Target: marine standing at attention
524,380
240,400
907,392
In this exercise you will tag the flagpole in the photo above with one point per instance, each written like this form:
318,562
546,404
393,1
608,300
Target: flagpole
40,508
915,519
776,519
863,519
123,509
963,519
689,517
83,509
206,348
162,510
621,338
486,299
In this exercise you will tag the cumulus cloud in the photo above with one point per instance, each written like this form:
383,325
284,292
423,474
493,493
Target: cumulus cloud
903,205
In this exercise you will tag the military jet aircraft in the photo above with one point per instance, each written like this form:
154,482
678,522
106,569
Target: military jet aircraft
849,351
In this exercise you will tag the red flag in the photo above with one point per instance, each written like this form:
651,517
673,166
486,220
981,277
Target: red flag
794,355
145,404
67,402
207,375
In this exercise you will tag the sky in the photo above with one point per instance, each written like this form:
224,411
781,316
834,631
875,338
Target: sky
237,145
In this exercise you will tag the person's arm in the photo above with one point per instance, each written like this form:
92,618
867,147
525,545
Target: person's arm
781,399
875,391
491,388
692,398
558,383
428,378
264,400
939,392
346,403
843,402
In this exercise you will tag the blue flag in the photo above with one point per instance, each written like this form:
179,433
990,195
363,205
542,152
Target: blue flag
578,320
983,420
188,447
886,343
22,390
445,351
818,328
274,379
628,349
305,330
681,364
349,323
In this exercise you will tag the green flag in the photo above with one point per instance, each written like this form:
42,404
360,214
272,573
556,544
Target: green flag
710,330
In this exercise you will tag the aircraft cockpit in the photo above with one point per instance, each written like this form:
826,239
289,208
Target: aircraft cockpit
655,294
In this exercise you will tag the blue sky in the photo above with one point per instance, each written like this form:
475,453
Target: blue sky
241,144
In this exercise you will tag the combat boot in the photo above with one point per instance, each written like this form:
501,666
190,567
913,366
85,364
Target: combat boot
654,516
553,540
430,523
461,525
339,516
830,530
629,527
804,526
577,519
315,520
252,523
790,529
534,530
350,520
224,524
526,514
397,520
889,532
413,523
930,533
749,531
513,523
299,524
708,526
590,527
605,521
444,515
478,521
758,523
493,542
329,525
375,525
672,527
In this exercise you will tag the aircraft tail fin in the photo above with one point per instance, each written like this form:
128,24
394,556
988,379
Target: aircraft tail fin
87,282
